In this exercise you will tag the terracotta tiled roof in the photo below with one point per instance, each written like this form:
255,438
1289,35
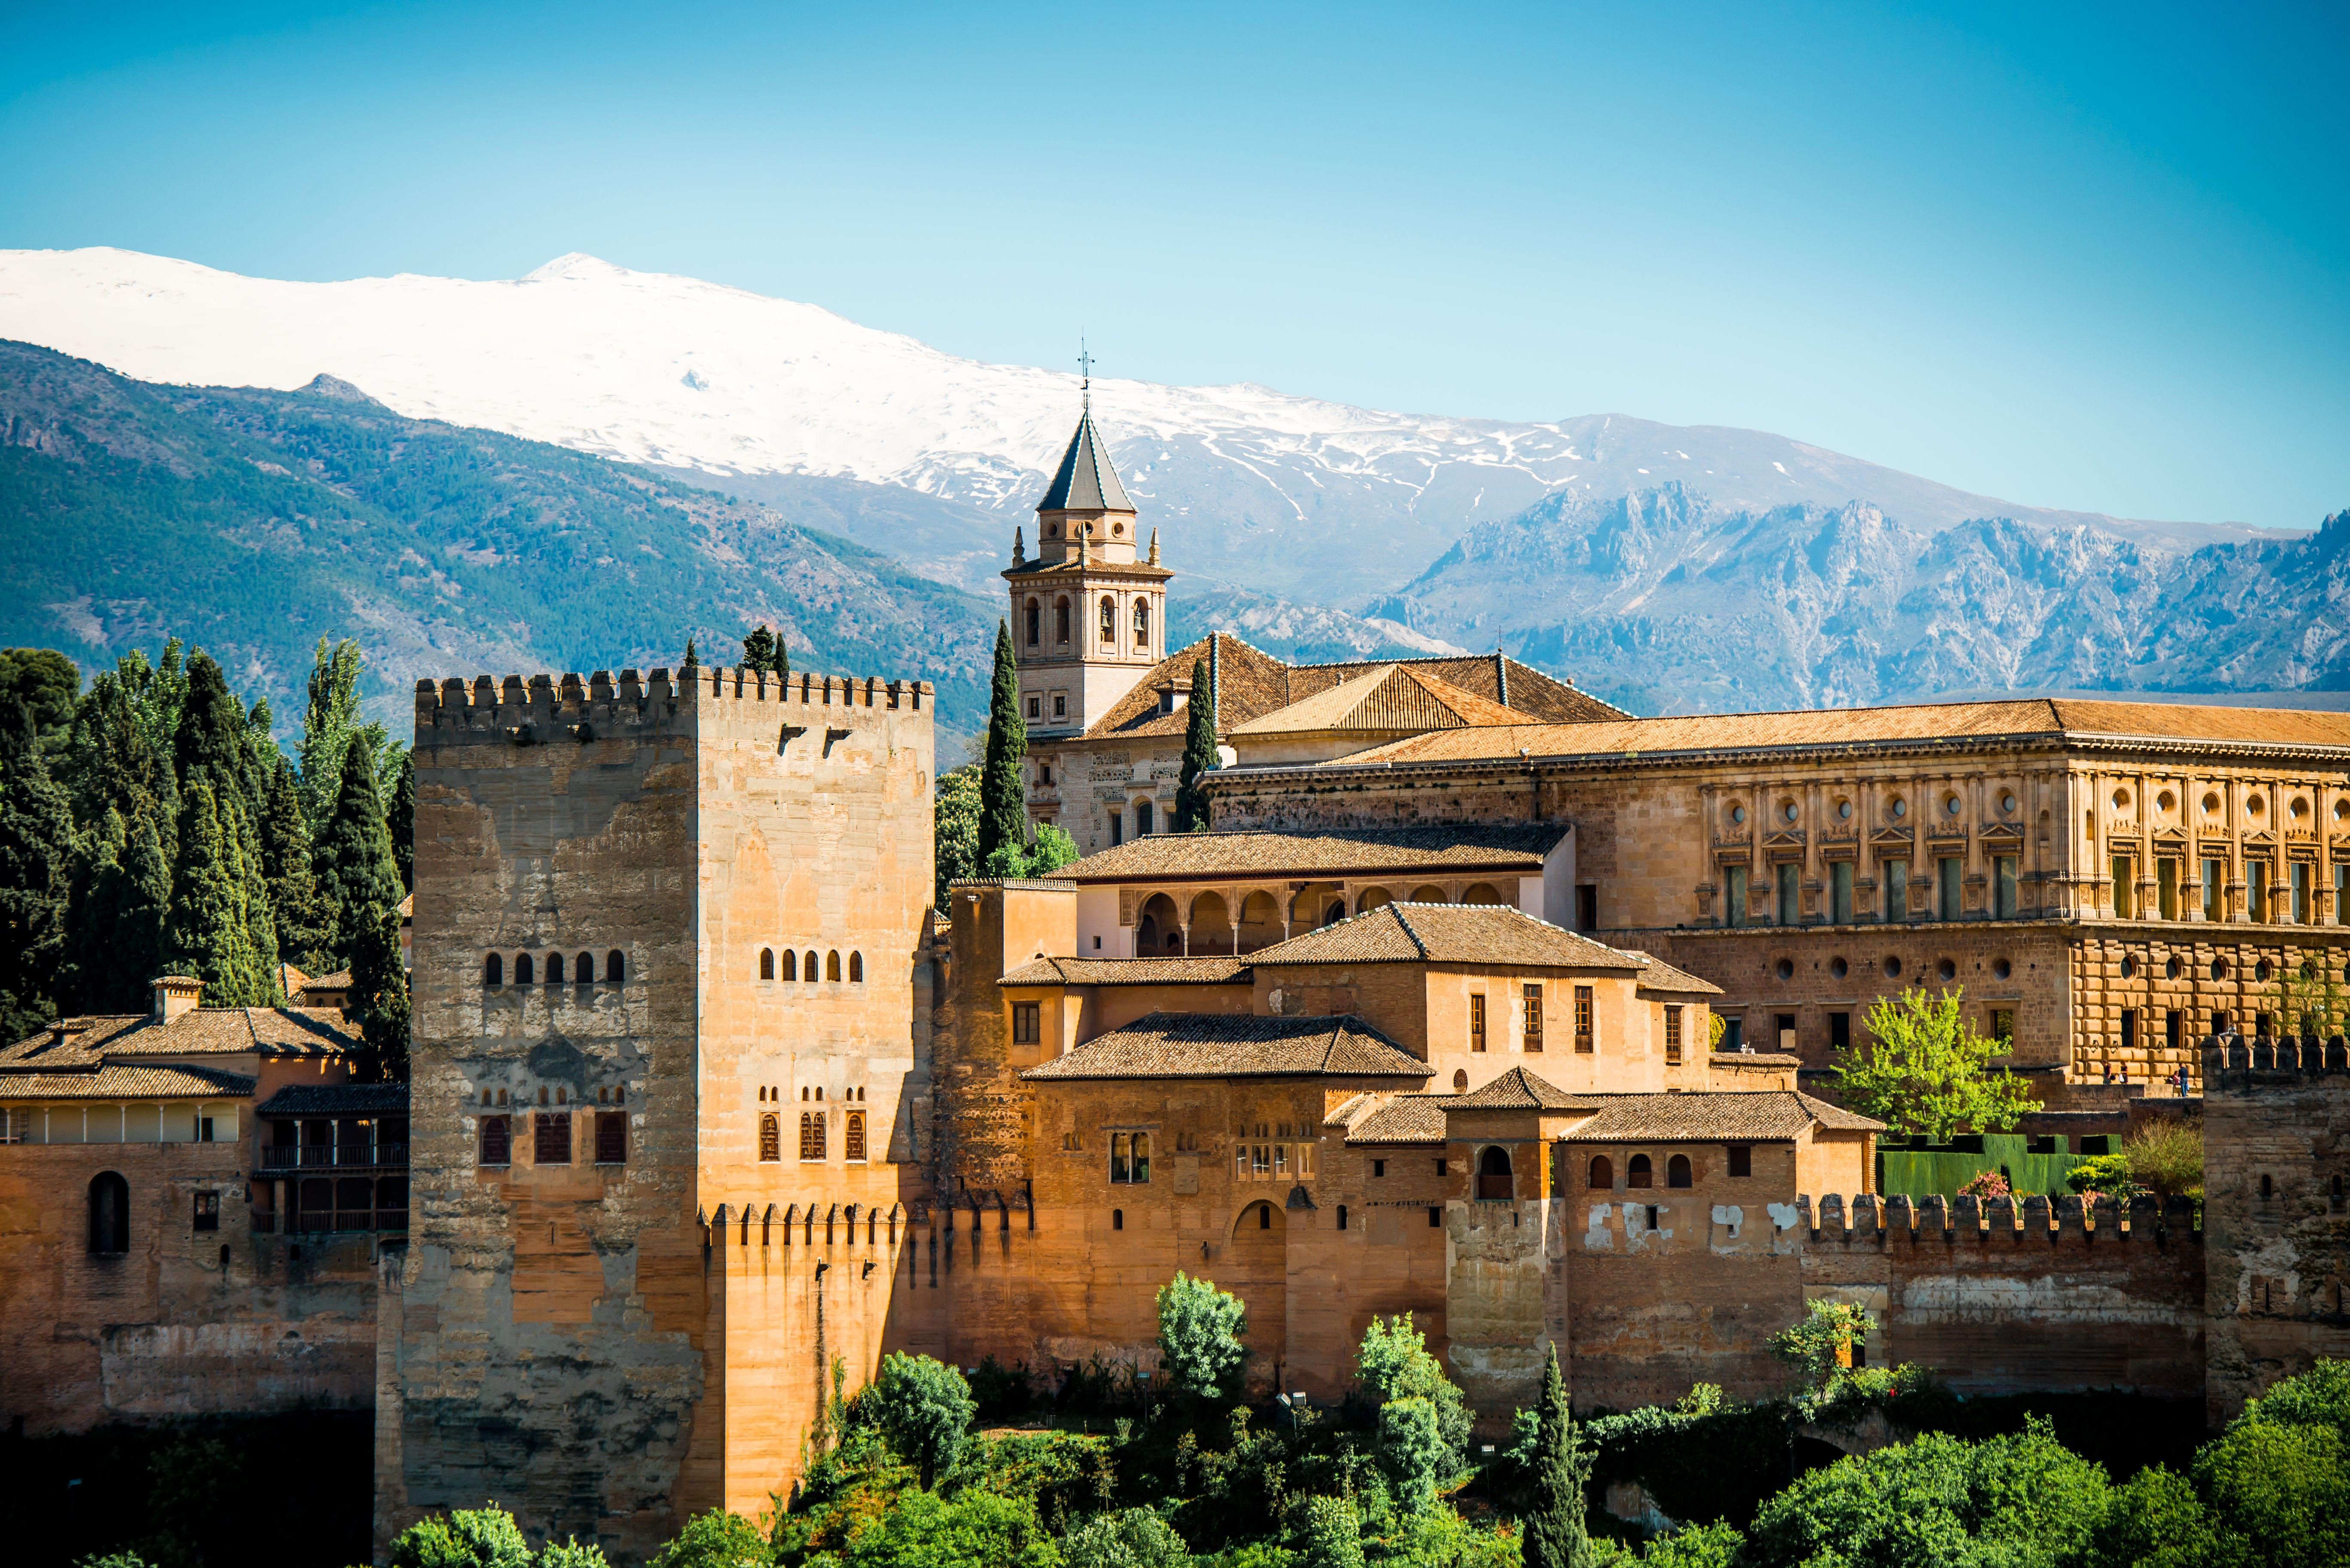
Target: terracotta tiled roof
1726,1059
1458,848
337,1100
1519,1090
1656,974
1128,972
1531,692
1860,726
1398,1118
126,1084
1215,1045
1386,698
1446,933
1763,1115
202,1032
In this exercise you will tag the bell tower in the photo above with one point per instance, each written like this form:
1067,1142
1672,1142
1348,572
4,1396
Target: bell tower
1088,617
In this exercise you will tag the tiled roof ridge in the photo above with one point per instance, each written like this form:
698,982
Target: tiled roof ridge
1403,920
1468,704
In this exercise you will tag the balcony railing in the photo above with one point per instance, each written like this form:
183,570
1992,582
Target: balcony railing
285,1157
322,1219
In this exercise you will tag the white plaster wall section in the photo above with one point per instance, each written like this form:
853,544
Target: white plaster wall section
1728,1222
1597,1235
1638,1232
2279,1260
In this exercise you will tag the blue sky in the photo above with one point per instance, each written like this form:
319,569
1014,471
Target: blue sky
2070,256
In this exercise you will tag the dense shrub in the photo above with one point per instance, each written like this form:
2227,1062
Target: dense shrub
1136,1538
924,1408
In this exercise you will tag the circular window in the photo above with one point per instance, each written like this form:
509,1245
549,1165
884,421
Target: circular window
2255,805
2165,800
2129,967
2300,807
1738,813
1844,811
1785,969
2007,804
2219,969
2121,800
2341,810
1118,528
1950,805
1790,811
2001,968
2170,969
1899,807
1892,966
2211,805
1838,968
2262,970
1946,970
1052,530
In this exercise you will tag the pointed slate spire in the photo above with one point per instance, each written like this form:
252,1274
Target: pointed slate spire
1086,481
1019,549
1154,546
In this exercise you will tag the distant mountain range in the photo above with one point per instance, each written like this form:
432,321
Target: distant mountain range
1669,568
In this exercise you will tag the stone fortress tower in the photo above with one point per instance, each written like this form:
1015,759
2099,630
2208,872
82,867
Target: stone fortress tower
1088,615
665,955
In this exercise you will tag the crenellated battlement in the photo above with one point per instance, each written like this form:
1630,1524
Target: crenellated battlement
2233,1063
543,708
2071,1221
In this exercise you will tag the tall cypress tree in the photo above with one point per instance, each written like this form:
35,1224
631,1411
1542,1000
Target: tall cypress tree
379,992
400,816
1555,1535
1002,799
352,859
293,902
212,735
207,932
36,847
330,725
1199,753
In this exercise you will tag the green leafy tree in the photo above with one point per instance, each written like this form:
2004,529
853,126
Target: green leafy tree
330,724
923,1408
1199,757
1333,1533
2019,1499
399,819
353,860
1051,850
2318,1397
976,1529
36,862
955,802
2156,1521
1924,1068
1003,797
212,742
2167,1158
693,660
1133,1538
572,1553
379,994
2311,1000
117,918
1556,1533
483,1537
718,1538
206,931
1199,1331
1395,1363
1820,1342
1712,1545
47,685
764,649
1413,1452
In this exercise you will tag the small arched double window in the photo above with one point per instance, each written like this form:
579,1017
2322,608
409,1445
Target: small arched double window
771,1138
1602,1175
832,964
811,1135
615,970
1142,626
1639,1173
1109,622
1677,1171
1036,621
856,969
767,964
522,968
493,970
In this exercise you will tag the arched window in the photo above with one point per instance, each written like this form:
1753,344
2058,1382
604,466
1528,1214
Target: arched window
1061,618
1602,1176
109,1213
1142,626
522,968
791,964
767,964
856,969
1460,1080
811,1135
493,970
1493,1179
1142,817
583,968
615,970
1677,1171
554,969
1036,621
852,1140
1109,622
832,964
810,973
1118,1219
771,1138
1639,1173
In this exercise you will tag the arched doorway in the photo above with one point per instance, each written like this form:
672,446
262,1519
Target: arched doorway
1155,932
1256,1270
1260,921
1494,1181
1211,925
109,1213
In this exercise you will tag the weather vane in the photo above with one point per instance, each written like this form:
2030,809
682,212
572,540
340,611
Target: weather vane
1085,371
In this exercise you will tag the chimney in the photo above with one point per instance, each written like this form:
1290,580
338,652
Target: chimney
176,994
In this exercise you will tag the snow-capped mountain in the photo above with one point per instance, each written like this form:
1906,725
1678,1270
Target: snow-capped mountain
1294,496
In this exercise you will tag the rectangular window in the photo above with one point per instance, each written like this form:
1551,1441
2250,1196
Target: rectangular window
1533,1018
1260,1161
1897,891
1672,1037
1742,1160
1305,1162
2129,1029
1435,1218
1733,895
1840,893
2002,1024
1239,1162
2166,888
2174,1029
812,1134
853,1140
1025,1029
1586,907
1477,1021
1784,1023
551,1139
2004,899
1035,708
207,1215
497,1140
2124,889
1583,1040
1839,1031
1733,1034
1121,1167
1117,828
1947,889
1790,910
2341,891
1060,704
2211,869
771,1138
2256,890
2299,912
1280,1161
1378,1168
611,1138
